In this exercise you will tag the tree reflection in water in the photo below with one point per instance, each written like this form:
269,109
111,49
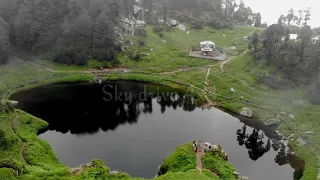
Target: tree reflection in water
256,148
82,109
254,143
295,162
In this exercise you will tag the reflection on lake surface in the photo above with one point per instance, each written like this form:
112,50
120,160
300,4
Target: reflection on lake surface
133,130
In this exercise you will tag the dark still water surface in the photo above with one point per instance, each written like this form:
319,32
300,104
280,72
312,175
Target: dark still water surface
87,121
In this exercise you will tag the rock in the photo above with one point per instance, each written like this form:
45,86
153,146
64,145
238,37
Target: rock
247,112
236,174
224,35
113,172
182,27
233,48
271,122
301,142
14,103
164,41
151,49
291,136
308,132
245,38
291,153
188,32
232,90
241,97
243,178
291,116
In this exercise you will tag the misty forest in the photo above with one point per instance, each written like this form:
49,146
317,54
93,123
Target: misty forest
207,89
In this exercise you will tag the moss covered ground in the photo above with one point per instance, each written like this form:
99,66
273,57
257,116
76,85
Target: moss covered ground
167,64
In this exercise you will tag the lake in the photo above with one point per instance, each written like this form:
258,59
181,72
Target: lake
134,126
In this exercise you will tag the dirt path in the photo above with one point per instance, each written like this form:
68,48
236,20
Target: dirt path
207,90
199,154
23,142
107,70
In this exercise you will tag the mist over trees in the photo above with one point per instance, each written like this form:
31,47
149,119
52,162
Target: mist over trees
296,59
70,30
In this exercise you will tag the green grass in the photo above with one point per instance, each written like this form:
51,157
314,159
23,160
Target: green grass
183,159
92,63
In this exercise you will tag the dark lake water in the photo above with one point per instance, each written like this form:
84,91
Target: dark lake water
136,130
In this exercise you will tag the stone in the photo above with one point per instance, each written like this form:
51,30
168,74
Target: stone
232,90
151,49
308,132
14,103
291,136
164,41
224,35
246,112
272,122
245,38
113,172
233,48
188,32
243,178
301,142
241,97
236,174
182,27
291,116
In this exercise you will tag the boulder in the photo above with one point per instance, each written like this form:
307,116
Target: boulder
291,136
233,48
301,141
113,172
272,122
309,132
14,103
291,116
246,112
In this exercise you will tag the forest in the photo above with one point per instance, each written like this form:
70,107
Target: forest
73,31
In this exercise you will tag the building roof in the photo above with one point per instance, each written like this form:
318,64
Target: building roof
293,36
207,42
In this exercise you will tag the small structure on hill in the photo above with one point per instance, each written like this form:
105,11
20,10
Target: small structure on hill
315,39
207,47
293,37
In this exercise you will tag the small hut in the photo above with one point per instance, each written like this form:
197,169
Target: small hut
207,47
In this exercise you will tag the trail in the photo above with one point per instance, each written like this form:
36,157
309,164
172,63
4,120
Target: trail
23,142
180,70
207,90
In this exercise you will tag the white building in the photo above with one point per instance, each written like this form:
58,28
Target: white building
315,39
293,36
207,47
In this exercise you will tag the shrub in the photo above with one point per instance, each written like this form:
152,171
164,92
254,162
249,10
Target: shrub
4,57
141,32
158,30
142,43
71,56
196,24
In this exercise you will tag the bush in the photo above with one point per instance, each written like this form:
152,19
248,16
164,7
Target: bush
71,56
158,30
142,43
4,57
141,32
197,24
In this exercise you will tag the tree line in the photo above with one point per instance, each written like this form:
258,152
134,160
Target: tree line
297,59
221,13
71,30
